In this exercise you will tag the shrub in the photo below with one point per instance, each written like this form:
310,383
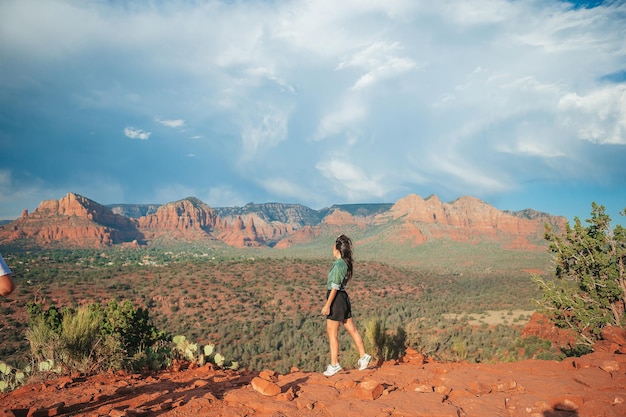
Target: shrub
588,290
381,343
92,339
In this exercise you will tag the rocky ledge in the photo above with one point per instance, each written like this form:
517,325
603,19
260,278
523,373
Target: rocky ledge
591,385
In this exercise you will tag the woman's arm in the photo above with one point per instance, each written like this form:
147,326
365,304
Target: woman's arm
331,297
6,285
6,282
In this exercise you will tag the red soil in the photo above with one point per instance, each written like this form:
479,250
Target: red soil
593,385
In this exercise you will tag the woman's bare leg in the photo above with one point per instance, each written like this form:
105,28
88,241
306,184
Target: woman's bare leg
332,327
352,331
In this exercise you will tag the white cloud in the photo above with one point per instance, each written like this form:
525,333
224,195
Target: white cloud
458,94
264,130
465,175
269,74
479,12
350,181
346,119
531,148
599,116
380,61
558,29
284,188
135,133
171,123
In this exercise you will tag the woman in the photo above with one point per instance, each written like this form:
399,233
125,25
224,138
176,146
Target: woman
337,308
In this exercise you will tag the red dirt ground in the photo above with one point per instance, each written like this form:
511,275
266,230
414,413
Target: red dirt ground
590,386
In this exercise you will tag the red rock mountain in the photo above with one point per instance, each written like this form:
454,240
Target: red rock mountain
76,221
189,218
468,219
71,221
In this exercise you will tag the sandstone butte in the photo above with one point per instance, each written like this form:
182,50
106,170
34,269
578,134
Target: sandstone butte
76,221
593,385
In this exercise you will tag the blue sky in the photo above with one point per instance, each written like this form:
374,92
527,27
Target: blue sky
519,103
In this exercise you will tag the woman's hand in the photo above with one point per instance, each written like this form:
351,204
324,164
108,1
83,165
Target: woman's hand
329,302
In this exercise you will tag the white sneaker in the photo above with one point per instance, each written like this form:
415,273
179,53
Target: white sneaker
364,362
332,370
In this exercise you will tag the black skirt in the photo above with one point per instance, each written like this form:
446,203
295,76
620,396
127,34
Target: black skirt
340,309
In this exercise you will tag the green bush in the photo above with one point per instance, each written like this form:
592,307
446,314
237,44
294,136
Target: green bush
383,344
587,292
534,347
92,339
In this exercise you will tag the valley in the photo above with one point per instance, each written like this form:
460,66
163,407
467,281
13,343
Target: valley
261,307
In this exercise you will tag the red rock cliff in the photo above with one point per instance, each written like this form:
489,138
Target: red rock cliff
187,218
73,221
467,219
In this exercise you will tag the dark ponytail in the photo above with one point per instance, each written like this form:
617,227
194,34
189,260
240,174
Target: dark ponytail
344,245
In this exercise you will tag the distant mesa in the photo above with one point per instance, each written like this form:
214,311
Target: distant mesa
75,221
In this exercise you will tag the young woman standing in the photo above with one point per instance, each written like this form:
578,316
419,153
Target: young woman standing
337,308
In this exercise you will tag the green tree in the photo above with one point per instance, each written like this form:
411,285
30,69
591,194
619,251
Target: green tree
589,289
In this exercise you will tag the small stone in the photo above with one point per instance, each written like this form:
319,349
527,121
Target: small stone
609,366
51,411
345,384
137,412
504,386
64,382
288,395
304,404
117,412
614,334
369,390
265,387
210,397
442,389
567,404
424,388
56,409
37,412
413,357
478,388
268,375
199,383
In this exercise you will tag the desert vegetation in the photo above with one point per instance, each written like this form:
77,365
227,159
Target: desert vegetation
263,312
588,291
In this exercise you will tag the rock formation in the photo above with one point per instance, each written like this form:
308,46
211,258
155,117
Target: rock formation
188,218
72,221
76,221
240,234
467,219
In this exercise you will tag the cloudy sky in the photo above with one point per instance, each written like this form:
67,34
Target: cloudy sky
519,103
